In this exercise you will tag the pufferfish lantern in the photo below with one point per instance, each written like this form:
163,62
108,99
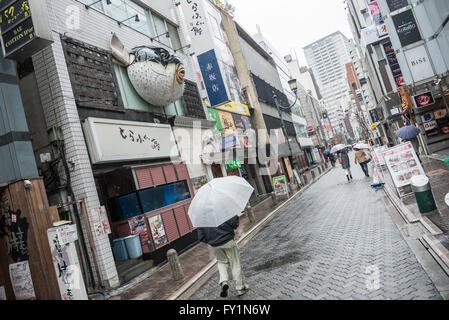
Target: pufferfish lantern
156,74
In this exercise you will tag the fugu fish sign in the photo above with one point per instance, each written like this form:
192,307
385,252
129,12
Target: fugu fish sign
156,74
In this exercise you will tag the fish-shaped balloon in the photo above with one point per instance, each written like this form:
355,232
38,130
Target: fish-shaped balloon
156,74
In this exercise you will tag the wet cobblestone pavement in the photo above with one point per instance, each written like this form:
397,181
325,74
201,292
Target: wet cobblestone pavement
336,241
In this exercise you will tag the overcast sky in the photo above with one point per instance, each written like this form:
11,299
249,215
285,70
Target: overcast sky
292,24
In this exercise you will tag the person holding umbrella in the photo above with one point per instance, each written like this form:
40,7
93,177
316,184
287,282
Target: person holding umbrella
214,211
361,157
410,133
344,159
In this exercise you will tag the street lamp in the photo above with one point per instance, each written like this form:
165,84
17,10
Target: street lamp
294,87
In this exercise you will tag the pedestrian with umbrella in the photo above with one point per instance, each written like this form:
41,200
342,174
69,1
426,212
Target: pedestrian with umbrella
361,157
410,133
214,211
344,159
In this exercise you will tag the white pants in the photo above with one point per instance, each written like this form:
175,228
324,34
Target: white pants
228,256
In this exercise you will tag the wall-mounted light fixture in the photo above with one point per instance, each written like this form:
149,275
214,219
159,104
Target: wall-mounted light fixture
136,19
187,46
90,5
167,35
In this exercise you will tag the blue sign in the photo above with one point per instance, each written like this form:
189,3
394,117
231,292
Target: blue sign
229,142
212,78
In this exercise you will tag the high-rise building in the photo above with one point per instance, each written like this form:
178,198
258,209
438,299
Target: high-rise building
327,57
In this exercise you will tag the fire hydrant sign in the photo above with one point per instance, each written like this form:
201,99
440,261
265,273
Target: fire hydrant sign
403,164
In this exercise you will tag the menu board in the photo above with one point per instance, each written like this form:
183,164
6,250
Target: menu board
403,164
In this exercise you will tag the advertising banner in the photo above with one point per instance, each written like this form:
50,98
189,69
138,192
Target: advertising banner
213,78
406,28
215,116
280,186
235,107
138,226
157,231
403,164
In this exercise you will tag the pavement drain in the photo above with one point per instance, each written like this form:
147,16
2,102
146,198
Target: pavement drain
291,257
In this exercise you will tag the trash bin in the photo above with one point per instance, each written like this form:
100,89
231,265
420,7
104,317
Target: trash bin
423,193
120,252
133,246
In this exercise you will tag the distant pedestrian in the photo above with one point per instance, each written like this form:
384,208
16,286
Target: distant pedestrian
221,239
346,164
332,160
362,159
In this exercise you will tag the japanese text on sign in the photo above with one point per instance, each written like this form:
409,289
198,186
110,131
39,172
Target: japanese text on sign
136,137
197,20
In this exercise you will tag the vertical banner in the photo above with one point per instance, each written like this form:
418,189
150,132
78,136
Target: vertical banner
213,78
137,225
394,64
406,28
66,263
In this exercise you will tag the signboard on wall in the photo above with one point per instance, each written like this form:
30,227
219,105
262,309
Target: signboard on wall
115,140
419,63
21,281
235,107
394,5
406,28
424,99
24,26
213,78
157,231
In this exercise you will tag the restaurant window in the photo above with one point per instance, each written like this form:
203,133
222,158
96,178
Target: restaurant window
161,30
148,200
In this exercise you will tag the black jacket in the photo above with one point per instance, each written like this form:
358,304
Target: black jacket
216,237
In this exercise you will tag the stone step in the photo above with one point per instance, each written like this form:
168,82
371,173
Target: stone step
135,271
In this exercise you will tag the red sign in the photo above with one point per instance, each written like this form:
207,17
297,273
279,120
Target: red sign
424,100
310,129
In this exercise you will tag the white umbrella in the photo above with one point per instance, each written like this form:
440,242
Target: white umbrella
218,201
338,147
362,146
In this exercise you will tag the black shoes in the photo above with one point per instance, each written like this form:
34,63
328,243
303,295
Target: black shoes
224,291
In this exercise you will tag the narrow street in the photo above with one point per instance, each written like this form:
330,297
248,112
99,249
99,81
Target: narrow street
336,241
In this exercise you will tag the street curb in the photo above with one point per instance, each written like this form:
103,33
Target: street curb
433,230
207,272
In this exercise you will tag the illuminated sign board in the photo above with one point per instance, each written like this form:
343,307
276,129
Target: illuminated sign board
24,27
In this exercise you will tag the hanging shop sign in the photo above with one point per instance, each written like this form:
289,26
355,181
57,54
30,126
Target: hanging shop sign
419,63
379,23
428,117
440,114
66,265
406,28
212,77
235,107
424,99
25,29
115,140
393,64
403,164
280,186
394,5
310,129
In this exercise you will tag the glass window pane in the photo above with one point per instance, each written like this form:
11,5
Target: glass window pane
160,29
97,5
164,196
144,25
125,207
117,10
174,36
